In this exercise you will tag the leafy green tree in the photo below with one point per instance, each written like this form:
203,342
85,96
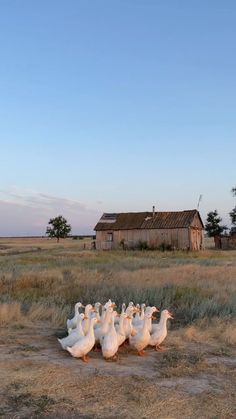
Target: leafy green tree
59,228
233,216
232,213
233,190
213,226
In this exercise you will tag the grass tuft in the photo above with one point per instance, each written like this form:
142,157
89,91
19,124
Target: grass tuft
10,313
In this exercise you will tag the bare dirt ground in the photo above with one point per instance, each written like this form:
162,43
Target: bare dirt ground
38,379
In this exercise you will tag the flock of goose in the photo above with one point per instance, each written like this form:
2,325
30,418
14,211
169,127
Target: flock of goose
101,326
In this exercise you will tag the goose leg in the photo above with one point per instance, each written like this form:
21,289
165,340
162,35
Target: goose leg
160,348
97,348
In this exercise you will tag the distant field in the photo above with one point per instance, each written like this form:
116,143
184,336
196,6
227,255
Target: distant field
40,281
23,244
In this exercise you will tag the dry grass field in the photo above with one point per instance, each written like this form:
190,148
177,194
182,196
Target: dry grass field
194,377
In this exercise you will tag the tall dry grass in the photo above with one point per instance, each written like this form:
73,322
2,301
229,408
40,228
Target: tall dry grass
222,330
193,285
10,313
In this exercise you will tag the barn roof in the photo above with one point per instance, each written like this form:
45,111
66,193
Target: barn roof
146,220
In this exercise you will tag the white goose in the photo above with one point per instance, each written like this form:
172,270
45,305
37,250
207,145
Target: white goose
139,316
97,310
117,318
108,304
128,325
141,339
109,341
74,335
85,344
120,329
140,323
103,329
143,307
86,321
71,323
159,331
151,310
136,318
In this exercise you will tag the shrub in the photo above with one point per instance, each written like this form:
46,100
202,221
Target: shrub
142,245
165,246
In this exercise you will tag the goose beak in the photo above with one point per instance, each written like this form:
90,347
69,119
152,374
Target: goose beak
113,305
171,315
85,317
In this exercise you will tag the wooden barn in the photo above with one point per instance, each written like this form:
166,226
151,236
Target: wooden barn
176,230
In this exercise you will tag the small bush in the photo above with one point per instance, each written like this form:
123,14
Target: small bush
165,247
142,245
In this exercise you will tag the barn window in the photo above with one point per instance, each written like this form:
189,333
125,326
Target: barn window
110,237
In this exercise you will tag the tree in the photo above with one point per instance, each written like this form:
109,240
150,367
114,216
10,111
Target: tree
233,190
232,213
60,228
233,216
213,227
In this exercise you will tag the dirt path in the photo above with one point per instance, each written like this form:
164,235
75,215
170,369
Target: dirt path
38,379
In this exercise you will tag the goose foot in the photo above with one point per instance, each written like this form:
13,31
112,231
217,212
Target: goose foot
112,358
123,348
116,357
159,348
141,353
97,349
85,359
125,344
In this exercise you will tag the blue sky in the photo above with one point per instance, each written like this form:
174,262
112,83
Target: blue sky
115,105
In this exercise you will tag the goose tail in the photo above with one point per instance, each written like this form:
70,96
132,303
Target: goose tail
61,343
69,350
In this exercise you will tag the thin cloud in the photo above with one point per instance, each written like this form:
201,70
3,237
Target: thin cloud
28,212
39,199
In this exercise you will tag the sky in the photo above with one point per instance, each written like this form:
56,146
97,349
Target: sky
115,106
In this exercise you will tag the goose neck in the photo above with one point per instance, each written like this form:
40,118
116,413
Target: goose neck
91,328
163,321
146,322
121,325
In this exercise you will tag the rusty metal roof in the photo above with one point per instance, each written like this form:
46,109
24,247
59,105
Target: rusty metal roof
147,220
